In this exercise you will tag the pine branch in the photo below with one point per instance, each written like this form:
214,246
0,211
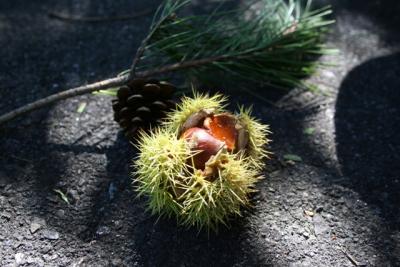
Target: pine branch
276,46
104,84
280,42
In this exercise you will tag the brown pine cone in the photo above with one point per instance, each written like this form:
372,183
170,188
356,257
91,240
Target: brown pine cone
142,103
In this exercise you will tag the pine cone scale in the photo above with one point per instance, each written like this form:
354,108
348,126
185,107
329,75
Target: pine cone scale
141,103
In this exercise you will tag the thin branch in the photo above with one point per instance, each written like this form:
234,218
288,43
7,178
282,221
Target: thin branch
139,54
182,65
118,81
113,82
71,18
142,49
349,257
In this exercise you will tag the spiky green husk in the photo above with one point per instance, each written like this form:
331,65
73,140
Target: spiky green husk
208,204
159,168
188,106
258,132
164,172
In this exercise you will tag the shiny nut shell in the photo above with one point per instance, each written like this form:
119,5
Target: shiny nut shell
194,120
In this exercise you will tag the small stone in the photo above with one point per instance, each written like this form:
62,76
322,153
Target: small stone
17,245
310,253
31,261
74,195
46,248
60,213
36,224
2,201
118,224
7,188
6,215
18,237
103,230
309,213
319,209
19,258
50,257
263,235
50,234
52,198
305,234
3,183
275,173
80,262
116,262
112,189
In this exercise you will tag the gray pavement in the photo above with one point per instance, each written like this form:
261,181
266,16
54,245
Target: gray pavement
339,206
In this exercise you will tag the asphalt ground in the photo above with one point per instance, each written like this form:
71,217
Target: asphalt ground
338,206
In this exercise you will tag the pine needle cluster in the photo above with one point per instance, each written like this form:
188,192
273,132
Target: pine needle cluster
270,41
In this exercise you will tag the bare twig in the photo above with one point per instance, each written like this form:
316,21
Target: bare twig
113,82
349,257
63,95
142,48
139,54
182,65
72,18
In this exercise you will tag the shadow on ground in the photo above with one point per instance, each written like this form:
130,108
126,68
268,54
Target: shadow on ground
105,211
367,122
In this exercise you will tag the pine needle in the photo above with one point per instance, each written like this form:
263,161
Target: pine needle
276,43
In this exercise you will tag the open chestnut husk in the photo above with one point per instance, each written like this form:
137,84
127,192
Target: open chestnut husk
202,163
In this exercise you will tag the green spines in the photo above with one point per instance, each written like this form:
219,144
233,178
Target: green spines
165,174
189,106
257,133
159,169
